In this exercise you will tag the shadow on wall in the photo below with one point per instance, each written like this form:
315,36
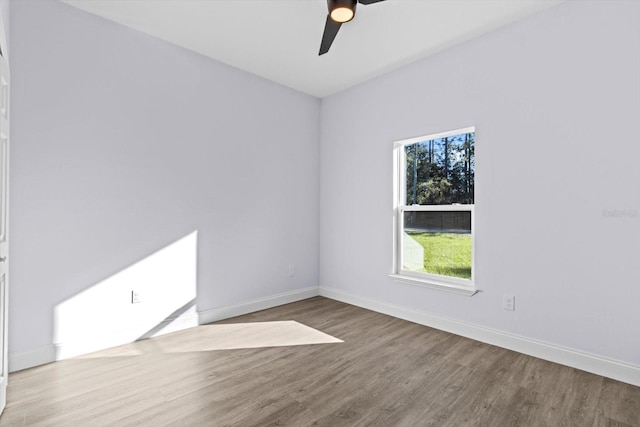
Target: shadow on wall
108,314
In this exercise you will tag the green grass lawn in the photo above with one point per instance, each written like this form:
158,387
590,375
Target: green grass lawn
446,254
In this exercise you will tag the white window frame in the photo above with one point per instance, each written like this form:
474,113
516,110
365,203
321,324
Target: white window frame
430,280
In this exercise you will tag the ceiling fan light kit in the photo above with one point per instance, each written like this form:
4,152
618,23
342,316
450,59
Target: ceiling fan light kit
340,11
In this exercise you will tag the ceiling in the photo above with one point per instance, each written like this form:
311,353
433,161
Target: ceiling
279,39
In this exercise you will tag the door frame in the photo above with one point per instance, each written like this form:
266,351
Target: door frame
4,205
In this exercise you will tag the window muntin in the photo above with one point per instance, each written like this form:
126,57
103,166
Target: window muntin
434,201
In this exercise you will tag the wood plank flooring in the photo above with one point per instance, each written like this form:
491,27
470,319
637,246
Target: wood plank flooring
386,372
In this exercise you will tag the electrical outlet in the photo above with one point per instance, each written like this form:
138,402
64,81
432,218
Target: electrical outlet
292,270
509,302
135,297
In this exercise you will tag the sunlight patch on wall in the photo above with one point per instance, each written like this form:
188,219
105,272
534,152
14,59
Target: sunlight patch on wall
104,316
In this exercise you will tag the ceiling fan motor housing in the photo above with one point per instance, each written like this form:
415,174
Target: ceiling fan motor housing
341,5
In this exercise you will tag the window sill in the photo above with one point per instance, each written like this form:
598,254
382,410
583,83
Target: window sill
432,284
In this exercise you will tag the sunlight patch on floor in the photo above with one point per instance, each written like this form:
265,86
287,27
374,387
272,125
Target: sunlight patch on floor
128,350
214,337
248,335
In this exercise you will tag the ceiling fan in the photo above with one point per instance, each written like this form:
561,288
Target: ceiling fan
340,11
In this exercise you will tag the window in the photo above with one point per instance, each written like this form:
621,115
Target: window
434,200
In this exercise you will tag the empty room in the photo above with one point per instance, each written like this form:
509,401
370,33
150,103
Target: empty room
320,212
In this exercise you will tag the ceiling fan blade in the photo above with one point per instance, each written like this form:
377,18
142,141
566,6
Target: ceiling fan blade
366,2
330,31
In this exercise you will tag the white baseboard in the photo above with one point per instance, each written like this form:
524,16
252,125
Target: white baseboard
595,364
109,340
50,353
174,325
221,313
599,365
30,358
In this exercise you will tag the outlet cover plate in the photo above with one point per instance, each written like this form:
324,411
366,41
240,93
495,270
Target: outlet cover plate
509,302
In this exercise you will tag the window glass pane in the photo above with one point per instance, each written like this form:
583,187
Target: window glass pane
437,242
440,171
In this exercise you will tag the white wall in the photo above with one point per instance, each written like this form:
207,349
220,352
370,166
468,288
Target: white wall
124,145
555,100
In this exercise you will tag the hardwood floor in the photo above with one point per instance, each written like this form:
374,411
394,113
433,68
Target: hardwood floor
385,372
